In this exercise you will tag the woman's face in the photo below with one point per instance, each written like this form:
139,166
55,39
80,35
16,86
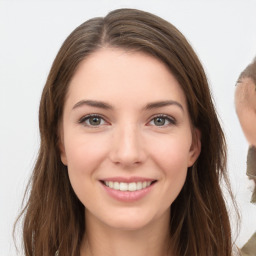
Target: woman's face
126,138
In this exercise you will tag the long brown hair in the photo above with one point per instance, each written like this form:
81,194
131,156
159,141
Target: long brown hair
53,215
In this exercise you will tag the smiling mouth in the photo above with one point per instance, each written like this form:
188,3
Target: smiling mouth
131,186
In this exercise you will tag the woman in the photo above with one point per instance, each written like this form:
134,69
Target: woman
131,150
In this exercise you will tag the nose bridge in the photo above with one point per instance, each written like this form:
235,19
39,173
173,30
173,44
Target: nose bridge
127,146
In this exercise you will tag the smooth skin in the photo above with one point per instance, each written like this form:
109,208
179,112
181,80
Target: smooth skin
126,116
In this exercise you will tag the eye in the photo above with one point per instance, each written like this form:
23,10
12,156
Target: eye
92,120
162,120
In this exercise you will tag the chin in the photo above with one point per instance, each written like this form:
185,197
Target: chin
129,225
132,220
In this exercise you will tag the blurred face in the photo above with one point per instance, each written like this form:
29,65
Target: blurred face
126,138
245,100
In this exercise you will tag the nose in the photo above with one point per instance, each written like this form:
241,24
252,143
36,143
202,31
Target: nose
127,147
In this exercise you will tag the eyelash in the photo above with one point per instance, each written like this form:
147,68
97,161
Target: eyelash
170,120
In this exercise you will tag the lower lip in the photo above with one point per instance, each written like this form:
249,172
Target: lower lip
128,196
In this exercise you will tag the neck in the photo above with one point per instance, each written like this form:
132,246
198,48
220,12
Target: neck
100,239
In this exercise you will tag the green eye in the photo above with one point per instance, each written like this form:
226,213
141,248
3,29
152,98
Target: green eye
159,121
162,120
94,120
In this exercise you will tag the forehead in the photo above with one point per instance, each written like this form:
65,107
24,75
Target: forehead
116,74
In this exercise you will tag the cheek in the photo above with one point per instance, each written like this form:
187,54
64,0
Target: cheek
172,157
84,155
175,169
173,152
85,152
173,165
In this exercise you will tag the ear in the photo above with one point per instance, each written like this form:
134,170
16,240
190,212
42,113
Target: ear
61,146
195,148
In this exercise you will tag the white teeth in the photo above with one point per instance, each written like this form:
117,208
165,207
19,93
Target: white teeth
116,185
132,186
139,185
123,186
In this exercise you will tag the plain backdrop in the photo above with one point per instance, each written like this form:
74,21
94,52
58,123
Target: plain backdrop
223,33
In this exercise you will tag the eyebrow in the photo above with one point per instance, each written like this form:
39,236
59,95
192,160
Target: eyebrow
160,104
149,106
92,103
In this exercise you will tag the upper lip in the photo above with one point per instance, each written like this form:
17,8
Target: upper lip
128,179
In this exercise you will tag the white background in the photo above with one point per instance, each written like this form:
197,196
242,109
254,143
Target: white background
223,33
